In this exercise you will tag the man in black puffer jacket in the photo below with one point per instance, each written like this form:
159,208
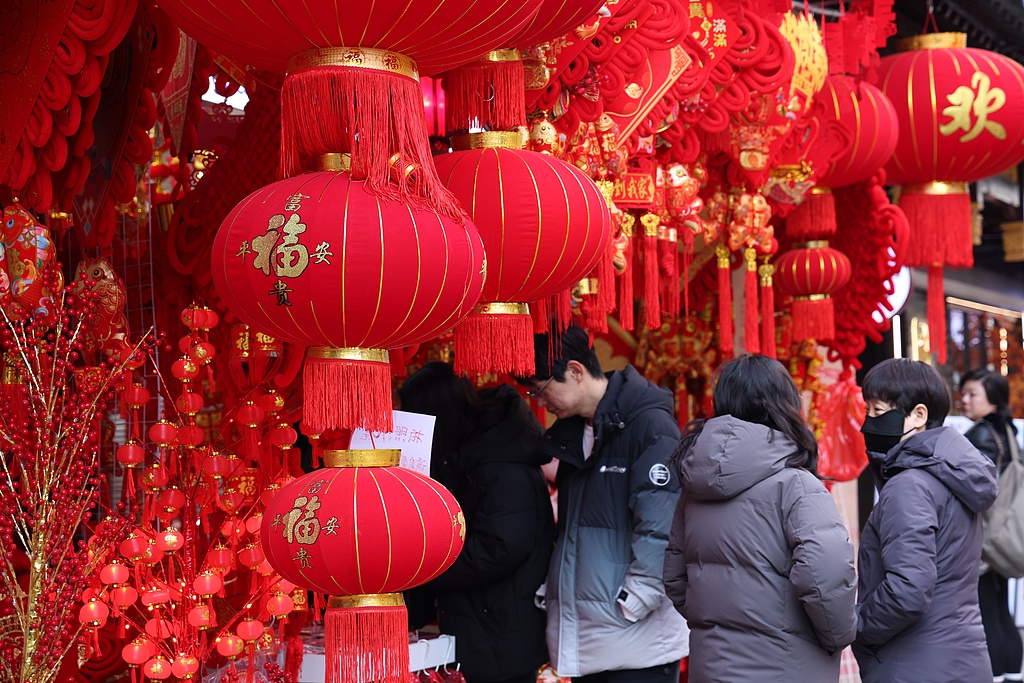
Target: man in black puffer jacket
484,452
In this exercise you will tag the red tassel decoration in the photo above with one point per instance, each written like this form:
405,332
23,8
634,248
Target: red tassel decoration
368,103
346,388
668,261
687,240
486,94
652,304
563,310
495,337
814,317
725,340
768,345
540,311
815,218
937,313
626,304
750,330
367,642
940,224
606,280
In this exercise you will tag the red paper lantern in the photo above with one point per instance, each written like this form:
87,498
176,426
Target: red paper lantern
185,666
870,118
250,415
163,433
544,224
93,614
136,396
131,454
202,617
124,596
114,573
362,530
137,651
280,605
319,261
283,436
157,668
219,557
185,369
191,436
207,583
250,630
251,555
230,646
189,403
963,121
810,272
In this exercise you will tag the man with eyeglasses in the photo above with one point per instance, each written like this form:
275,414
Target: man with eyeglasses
609,620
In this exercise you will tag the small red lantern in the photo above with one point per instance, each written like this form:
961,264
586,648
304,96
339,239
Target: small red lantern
155,595
185,369
185,666
544,224
154,477
407,528
157,668
114,573
191,435
313,259
280,605
202,617
283,436
271,402
169,540
163,433
124,596
137,652
230,646
216,465
136,396
189,403
250,630
131,455
202,352
207,583
219,558
251,556
134,546
810,272
963,121
171,500
250,415
93,614
253,524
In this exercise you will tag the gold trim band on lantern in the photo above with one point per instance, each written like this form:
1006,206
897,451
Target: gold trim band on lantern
501,308
333,161
936,187
366,600
821,189
348,353
931,41
812,244
380,457
811,297
507,55
367,58
487,139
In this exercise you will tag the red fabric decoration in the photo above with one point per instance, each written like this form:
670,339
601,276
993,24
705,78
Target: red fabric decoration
768,344
725,340
961,123
554,19
317,260
842,455
486,94
809,273
814,217
870,118
751,333
364,530
652,286
544,224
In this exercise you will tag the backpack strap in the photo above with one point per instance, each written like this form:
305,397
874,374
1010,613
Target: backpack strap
1014,447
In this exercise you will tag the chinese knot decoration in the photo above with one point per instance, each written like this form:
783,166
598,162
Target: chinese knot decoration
362,530
319,261
964,121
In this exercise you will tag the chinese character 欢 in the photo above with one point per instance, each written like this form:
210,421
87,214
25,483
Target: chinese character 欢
963,102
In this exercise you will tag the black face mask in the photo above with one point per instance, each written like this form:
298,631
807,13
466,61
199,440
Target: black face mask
882,433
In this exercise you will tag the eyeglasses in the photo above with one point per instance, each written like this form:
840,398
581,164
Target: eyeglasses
539,391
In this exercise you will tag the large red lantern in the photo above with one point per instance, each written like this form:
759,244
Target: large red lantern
961,118
544,225
319,261
870,118
810,272
362,530
353,74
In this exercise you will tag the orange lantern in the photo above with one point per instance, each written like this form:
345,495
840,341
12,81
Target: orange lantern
963,120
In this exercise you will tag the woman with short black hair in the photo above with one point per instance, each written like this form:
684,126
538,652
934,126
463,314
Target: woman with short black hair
985,398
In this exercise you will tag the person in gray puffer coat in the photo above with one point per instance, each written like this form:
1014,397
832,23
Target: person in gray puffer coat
759,561
920,551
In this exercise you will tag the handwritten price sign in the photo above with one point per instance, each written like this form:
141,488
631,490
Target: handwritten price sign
413,435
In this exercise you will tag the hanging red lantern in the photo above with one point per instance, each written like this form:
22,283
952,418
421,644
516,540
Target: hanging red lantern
202,617
163,433
157,668
124,596
189,403
131,455
202,352
810,272
319,261
964,121
171,500
216,465
169,540
93,614
191,436
219,558
136,396
362,530
249,415
185,666
137,652
271,402
250,630
280,605
283,436
207,583
185,369
253,524
544,224
251,555
114,573
230,646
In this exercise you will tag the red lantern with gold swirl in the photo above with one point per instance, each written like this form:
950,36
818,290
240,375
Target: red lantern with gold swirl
319,261
362,530
871,120
544,225
810,272
961,117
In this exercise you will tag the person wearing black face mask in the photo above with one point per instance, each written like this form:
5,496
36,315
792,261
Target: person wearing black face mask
918,614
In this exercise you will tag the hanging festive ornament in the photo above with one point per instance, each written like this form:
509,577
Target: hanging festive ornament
26,251
319,261
544,225
963,121
157,668
810,272
93,614
230,645
353,85
362,530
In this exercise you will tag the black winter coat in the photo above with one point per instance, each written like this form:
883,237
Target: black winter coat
486,599
990,436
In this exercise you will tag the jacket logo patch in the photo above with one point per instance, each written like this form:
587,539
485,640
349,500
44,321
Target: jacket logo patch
612,468
659,475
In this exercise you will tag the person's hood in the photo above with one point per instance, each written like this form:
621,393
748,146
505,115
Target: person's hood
948,456
628,395
508,431
730,455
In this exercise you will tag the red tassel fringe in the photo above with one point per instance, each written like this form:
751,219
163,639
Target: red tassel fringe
606,280
652,304
485,95
495,343
345,394
540,311
372,115
563,310
940,229
750,331
814,218
367,644
626,303
937,312
668,261
768,347
725,340
814,319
